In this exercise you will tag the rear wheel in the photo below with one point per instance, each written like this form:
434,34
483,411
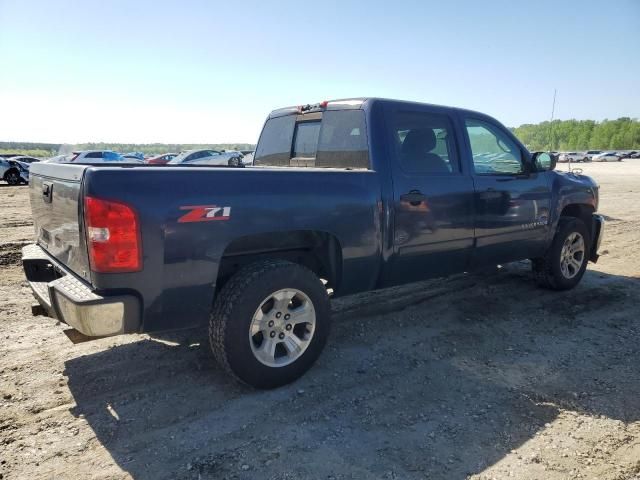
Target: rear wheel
566,260
270,323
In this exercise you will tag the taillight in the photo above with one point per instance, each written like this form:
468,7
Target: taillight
113,236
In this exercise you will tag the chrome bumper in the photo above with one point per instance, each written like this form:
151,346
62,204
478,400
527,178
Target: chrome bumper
72,301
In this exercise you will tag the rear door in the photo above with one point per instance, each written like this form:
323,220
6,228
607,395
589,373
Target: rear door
55,191
432,195
511,201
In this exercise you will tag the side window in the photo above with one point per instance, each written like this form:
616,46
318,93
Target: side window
424,143
94,155
492,149
195,156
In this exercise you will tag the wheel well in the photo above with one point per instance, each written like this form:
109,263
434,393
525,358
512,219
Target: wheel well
581,211
320,252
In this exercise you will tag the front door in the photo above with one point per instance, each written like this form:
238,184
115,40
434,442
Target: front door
512,200
432,195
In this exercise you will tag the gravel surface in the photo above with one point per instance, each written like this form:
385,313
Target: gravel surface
477,376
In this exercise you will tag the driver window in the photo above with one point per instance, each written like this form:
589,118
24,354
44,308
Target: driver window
493,151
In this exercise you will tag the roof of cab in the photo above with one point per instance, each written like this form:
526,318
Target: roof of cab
360,103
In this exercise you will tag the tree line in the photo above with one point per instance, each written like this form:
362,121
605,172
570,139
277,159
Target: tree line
565,135
558,135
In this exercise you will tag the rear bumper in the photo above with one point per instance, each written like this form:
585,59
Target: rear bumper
597,230
73,301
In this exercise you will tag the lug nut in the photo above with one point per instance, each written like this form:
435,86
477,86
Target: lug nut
287,316
273,334
278,315
271,323
288,326
281,336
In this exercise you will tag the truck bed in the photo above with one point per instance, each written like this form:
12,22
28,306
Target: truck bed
181,249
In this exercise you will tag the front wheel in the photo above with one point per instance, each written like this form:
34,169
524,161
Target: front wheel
12,178
566,260
270,323
235,162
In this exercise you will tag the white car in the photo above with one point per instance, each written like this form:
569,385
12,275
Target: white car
589,154
607,157
571,157
208,157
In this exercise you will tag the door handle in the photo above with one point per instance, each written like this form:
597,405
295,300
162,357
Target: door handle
414,197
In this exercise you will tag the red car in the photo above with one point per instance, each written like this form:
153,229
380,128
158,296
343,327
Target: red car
161,159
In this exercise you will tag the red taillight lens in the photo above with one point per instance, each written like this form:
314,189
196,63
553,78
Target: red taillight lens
113,236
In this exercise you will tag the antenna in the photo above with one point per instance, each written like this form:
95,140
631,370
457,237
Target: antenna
553,110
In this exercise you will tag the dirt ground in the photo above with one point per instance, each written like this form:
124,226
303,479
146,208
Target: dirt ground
478,376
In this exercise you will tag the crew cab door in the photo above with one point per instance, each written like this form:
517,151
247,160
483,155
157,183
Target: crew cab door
432,195
511,201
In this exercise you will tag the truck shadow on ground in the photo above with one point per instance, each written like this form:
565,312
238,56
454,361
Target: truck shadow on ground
470,370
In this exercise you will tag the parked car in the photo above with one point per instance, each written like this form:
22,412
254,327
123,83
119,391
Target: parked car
14,172
571,157
207,157
25,159
635,155
627,154
349,195
91,156
607,157
589,154
161,159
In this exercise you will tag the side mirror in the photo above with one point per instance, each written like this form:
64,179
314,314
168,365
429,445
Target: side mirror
544,161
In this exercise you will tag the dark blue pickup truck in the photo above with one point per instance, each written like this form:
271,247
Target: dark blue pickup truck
344,196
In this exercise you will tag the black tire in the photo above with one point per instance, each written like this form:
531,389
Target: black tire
235,162
12,177
547,270
233,311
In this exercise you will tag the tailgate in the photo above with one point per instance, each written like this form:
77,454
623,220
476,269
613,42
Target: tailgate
55,191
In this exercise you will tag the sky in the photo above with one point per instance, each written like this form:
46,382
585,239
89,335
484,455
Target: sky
194,71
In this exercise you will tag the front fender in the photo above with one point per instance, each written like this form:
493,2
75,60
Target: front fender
570,189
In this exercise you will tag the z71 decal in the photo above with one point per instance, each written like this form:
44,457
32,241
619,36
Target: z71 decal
204,213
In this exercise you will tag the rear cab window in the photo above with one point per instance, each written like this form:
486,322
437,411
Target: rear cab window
326,139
